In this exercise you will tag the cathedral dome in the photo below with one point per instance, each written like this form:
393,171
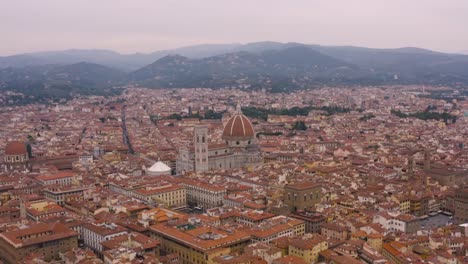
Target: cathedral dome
16,148
238,127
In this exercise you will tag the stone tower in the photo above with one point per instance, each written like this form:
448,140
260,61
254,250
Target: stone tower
201,148
410,166
427,159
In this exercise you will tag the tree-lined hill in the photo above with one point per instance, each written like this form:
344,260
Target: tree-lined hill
262,65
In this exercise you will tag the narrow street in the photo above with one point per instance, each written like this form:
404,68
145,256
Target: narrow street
126,140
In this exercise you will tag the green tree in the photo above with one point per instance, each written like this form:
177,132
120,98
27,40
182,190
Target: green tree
299,125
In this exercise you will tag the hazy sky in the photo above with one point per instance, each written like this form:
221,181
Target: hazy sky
148,25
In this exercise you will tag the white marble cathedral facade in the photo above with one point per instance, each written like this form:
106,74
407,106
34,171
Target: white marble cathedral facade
238,150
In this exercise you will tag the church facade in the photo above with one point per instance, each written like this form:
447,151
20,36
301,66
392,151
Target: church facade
238,150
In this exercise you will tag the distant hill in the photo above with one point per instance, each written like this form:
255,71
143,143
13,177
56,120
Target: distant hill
55,82
294,66
132,62
124,62
86,74
104,57
287,68
262,65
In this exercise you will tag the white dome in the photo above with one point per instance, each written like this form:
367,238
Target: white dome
159,168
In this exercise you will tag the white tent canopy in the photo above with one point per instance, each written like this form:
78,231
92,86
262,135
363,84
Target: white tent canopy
159,168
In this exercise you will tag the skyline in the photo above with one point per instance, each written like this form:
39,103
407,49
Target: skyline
229,132
148,26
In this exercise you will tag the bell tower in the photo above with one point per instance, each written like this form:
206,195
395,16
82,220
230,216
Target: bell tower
201,148
410,166
427,159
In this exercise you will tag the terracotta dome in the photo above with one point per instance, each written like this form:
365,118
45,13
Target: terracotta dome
238,127
16,148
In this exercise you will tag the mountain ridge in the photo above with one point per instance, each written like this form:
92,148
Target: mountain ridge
277,67
133,61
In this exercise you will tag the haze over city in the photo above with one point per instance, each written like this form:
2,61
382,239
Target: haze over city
147,26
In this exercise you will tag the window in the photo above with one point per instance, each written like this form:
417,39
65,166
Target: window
237,142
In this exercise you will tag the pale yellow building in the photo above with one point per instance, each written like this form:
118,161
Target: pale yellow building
375,240
276,227
307,248
169,195
198,243
404,202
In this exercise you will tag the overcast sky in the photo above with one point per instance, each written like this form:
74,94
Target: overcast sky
131,26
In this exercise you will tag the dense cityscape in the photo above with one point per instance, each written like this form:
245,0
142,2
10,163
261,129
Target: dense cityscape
336,175
234,132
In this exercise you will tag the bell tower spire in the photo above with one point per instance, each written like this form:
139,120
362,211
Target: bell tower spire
238,109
